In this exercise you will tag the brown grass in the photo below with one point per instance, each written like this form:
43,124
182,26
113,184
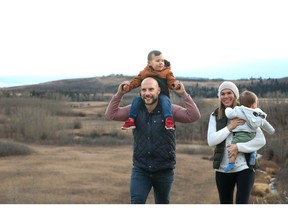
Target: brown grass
94,175
99,171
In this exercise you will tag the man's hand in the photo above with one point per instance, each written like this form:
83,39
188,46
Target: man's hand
124,87
179,88
176,85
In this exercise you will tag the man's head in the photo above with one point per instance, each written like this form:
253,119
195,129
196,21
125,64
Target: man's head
149,92
156,60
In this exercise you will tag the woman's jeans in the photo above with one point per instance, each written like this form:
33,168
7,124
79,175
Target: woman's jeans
142,181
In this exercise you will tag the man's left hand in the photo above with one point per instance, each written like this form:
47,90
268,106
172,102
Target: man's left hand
179,89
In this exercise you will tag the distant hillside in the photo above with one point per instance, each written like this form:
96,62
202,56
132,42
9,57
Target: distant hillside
73,85
108,84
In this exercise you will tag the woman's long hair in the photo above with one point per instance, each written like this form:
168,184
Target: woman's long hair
221,110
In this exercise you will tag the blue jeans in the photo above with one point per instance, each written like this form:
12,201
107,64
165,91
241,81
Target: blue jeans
142,181
165,105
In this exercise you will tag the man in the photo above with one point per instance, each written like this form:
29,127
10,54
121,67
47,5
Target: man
154,147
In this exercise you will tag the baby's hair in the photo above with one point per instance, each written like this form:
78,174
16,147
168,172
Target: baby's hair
247,98
153,52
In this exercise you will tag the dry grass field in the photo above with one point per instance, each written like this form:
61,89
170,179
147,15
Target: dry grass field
99,172
94,174
97,175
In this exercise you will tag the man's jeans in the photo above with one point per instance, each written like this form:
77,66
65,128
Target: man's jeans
142,181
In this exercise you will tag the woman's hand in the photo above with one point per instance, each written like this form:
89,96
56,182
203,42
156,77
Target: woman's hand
234,123
232,150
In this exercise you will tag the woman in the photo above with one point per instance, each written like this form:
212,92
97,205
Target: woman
220,136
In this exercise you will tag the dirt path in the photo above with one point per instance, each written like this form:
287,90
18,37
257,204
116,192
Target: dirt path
96,175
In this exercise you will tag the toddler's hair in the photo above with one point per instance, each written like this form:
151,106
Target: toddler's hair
153,52
247,98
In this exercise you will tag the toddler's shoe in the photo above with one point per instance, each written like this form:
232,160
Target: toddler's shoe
129,124
253,157
229,167
169,124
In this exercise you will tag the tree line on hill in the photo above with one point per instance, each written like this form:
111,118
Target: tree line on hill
271,88
98,90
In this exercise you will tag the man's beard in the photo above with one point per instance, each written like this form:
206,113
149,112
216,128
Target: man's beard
151,100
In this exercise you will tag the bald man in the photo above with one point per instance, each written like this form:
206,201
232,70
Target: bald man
154,156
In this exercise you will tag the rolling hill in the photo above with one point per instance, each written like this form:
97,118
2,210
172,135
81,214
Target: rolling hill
109,84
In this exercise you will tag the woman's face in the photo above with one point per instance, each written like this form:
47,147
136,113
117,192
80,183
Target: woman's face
227,97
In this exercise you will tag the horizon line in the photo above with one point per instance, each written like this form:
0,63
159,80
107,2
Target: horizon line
7,83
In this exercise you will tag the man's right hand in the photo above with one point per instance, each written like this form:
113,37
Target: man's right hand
124,87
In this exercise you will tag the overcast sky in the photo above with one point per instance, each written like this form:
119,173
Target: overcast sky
47,40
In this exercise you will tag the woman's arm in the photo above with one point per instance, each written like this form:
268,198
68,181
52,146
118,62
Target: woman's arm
215,137
253,145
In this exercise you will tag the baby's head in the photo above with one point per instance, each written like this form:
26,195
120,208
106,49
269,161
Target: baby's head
156,60
248,99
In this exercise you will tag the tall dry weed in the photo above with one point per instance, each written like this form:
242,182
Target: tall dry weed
31,119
